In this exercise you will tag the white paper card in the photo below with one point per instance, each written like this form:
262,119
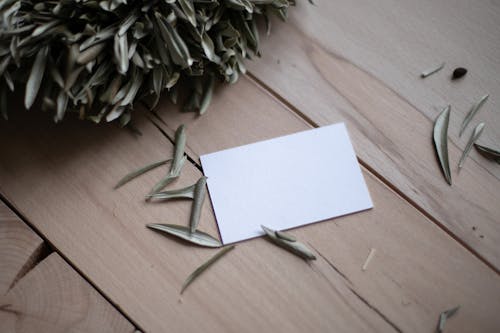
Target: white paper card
285,182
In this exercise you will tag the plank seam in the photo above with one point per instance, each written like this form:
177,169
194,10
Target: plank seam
276,96
40,253
162,131
51,247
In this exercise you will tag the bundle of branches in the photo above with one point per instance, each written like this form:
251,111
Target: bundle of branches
98,58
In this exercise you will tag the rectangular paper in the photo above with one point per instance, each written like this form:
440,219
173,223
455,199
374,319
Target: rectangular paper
285,182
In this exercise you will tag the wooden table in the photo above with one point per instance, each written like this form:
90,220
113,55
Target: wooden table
83,259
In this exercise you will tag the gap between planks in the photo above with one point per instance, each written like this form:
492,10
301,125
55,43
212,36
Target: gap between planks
281,100
51,248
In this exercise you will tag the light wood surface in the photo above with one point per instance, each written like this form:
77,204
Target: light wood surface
45,294
20,249
385,227
418,271
359,62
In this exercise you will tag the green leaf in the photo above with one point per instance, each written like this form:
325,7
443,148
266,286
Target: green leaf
90,53
188,9
36,76
294,246
140,171
44,28
475,108
178,160
440,136
240,4
115,113
176,46
135,85
172,80
489,153
170,177
180,144
207,95
182,193
199,198
8,80
431,71
56,76
208,47
157,86
128,22
444,316
198,237
90,43
71,78
204,266
121,53
61,105
104,34
473,138
110,93
285,236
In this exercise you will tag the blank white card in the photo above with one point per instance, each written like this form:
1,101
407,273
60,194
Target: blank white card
285,182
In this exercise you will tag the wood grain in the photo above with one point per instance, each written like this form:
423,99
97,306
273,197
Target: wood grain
54,298
61,177
46,295
103,233
20,248
417,268
360,63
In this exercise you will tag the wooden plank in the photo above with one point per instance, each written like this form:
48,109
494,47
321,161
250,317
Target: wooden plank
46,295
257,287
20,248
103,233
360,63
52,297
417,270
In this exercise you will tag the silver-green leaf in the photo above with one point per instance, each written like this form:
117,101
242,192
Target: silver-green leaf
473,138
90,53
170,177
178,160
199,198
285,236
198,237
204,266
475,108
444,316
136,173
182,193
440,135
188,9
488,152
61,104
292,246
36,76
207,95
209,49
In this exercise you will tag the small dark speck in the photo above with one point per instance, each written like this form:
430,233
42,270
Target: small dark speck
278,61
481,236
474,228
458,73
